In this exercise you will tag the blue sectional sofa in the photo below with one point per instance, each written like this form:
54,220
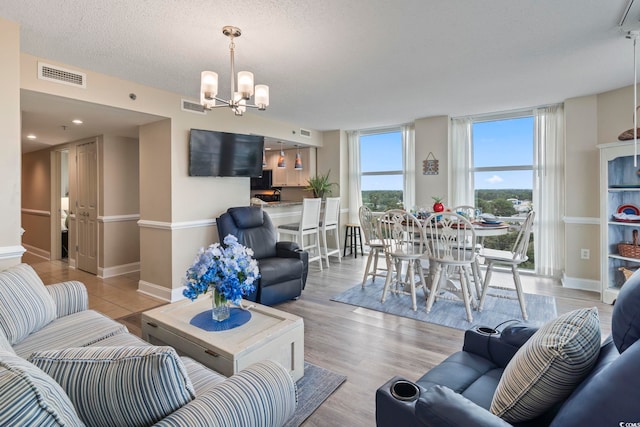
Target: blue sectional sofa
498,379
62,364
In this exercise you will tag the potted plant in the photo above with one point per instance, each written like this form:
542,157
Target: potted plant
320,185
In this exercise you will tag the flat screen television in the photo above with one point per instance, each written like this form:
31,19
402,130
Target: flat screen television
213,153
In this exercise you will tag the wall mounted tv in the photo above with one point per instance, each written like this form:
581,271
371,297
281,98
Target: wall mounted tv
213,153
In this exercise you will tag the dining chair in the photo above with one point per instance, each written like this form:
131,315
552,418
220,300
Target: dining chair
451,238
513,258
330,219
469,212
309,226
403,239
369,227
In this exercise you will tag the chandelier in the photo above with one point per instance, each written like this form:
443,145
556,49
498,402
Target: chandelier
239,95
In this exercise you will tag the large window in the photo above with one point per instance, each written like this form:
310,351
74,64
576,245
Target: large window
503,172
381,171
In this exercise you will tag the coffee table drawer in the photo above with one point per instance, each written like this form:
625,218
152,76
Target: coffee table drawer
159,336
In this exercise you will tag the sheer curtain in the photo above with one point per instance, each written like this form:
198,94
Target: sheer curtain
409,166
548,194
355,195
460,174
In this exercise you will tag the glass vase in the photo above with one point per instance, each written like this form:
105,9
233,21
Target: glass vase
219,307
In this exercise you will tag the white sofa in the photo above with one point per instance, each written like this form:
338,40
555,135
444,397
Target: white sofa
106,376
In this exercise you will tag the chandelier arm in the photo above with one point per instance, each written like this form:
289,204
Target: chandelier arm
233,72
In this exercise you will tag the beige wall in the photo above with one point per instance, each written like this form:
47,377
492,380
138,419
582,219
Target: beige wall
582,177
432,135
10,219
119,208
36,201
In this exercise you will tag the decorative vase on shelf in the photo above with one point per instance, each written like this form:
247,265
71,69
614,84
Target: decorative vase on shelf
219,306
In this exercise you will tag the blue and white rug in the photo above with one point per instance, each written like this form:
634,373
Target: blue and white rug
496,310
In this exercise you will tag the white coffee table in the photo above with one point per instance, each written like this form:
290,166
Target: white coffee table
269,334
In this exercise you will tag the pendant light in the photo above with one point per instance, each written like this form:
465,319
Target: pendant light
281,161
298,163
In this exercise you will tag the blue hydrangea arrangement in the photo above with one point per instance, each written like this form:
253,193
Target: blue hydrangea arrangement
229,268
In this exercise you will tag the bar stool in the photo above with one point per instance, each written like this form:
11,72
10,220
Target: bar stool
308,226
329,222
353,236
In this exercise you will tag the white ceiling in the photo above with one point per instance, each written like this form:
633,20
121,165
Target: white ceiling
336,64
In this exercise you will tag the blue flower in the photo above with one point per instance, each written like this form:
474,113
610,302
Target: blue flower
229,268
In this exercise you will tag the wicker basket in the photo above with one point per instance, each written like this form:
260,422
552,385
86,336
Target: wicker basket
630,250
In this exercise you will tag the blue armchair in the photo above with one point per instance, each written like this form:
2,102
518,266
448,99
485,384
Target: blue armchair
460,390
283,265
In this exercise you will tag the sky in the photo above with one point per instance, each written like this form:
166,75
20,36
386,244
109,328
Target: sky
496,143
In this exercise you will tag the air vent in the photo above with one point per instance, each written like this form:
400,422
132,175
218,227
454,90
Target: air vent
306,133
57,74
192,107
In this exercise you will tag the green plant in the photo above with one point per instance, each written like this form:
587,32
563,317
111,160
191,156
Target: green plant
320,185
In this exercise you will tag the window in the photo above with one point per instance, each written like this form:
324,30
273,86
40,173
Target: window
381,170
503,172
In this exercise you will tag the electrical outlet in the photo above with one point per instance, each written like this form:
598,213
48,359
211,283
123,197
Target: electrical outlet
585,253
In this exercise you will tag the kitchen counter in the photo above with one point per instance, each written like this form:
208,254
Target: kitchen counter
281,204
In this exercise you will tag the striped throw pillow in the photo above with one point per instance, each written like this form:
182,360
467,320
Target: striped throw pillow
119,386
30,397
25,304
548,366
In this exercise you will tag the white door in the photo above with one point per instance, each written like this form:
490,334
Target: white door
87,208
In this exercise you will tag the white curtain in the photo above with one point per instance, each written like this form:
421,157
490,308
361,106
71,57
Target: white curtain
355,195
548,194
461,183
409,166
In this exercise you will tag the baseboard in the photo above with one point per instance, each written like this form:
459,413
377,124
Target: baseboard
41,253
118,270
582,284
160,292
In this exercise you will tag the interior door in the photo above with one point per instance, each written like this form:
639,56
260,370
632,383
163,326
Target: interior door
87,208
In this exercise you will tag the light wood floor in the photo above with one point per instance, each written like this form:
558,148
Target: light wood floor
367,346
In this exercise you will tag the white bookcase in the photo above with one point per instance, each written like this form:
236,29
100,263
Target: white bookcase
619,186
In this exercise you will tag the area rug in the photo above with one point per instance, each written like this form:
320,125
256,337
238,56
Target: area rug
314,387
496,310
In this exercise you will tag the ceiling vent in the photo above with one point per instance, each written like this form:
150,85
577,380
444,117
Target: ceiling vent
192,107
305,132
57,74
630,19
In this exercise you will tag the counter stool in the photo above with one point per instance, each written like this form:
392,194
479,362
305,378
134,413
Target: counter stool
354,237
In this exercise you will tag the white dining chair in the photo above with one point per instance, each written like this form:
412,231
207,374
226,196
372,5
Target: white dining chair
451,236
369,227
513,258
308,226
403,238
330,220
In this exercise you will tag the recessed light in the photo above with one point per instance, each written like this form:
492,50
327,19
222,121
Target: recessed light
76,121
31,136
267,148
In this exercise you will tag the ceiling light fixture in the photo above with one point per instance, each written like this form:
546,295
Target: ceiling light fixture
77,121
282,163
239,96
297,165
31,136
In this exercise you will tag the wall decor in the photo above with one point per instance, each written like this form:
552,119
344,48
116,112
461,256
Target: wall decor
430,165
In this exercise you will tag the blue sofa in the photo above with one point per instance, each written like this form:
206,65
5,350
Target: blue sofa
460,390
